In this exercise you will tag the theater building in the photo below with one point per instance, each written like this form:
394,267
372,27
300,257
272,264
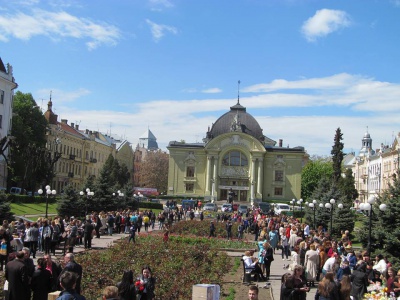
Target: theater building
235,156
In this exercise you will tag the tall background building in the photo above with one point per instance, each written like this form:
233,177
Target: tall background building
7,86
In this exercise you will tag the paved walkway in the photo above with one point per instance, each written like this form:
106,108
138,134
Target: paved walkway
277,271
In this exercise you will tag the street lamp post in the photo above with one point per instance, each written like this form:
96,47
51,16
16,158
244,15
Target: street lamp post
300,202
48,192
313,206
367,208
331,206
89,194
293,202
119,194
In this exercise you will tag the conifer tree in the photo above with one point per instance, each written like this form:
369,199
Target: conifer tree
104,187
69,204
5,208
348,194
337,156
385,234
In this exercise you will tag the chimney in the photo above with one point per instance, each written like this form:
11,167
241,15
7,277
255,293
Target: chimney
64,121
77,126
87,131
72,125
280,142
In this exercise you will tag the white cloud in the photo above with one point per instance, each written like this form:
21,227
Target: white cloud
158,30
212,91
158,5
324,22
359,101
57,25
396,3
62,97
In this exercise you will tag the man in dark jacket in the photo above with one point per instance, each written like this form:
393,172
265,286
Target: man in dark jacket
18,279
55,270
110,224
87,234
68,281
72,266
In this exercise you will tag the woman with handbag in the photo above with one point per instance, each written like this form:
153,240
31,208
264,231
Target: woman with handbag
268,254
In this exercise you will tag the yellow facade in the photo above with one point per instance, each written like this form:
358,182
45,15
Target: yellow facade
81,153
254,169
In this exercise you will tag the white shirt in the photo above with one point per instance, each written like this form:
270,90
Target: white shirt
330,262
248,262
381,266
307,230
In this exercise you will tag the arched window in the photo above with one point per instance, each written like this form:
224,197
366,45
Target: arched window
235,159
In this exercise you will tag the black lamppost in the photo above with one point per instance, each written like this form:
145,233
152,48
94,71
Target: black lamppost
49,192
313,206
89,194
119,194
300,202
293,202
331,206
367,209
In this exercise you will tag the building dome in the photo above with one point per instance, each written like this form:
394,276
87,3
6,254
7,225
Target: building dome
236,120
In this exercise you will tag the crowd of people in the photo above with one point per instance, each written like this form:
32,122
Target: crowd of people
311,255
315,256
24,279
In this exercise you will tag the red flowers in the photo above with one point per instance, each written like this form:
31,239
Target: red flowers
139,286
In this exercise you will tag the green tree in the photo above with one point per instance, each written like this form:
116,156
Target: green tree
5,208
337,156
28,159
348,194
385,234
105,185
69,204
312,173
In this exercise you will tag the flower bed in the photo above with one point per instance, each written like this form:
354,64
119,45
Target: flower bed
176,265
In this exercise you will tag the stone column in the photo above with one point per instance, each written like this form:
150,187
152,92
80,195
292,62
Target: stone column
252,179
215,175
260,177
208,169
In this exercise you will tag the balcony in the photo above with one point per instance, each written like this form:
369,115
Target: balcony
72,156
93,160
189,179
70,174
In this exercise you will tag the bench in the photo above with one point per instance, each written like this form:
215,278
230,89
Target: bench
248,272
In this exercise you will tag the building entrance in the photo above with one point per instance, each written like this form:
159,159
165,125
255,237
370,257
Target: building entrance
239,188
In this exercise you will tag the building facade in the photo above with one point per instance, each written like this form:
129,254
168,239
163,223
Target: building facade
7,86
235,158
79,154
373,170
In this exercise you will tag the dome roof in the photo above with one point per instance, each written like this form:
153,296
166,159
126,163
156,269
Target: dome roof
236,120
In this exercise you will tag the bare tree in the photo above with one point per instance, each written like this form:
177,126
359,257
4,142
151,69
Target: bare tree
154,170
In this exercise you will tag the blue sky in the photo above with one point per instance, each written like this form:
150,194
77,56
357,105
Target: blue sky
306,66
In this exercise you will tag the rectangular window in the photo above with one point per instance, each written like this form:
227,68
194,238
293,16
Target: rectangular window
190,171
279,175
1,96
1,121
278,191
189,187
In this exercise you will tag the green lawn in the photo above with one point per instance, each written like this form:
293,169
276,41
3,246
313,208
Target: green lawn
37,209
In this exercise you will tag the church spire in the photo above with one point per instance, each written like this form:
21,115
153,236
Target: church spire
238,103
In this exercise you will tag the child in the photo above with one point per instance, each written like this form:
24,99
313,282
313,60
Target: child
166,236
132,232
240,231
3,253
